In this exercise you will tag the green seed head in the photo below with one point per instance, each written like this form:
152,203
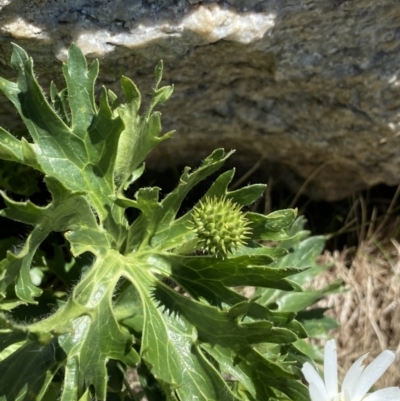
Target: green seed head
220,225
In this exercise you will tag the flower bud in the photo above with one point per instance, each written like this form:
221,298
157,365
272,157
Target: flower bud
220,225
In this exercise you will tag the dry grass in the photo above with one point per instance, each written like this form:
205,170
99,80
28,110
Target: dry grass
369,312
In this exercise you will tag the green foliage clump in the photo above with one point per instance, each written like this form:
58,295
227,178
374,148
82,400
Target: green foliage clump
120,295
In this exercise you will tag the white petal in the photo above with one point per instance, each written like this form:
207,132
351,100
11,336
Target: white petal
316,395
315,382
372,373
330,369
352,377
386,394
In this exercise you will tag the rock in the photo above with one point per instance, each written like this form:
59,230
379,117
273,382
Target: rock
310,88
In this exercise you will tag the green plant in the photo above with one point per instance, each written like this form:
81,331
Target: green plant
303,251
149,294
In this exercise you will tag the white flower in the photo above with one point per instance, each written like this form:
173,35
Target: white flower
358,380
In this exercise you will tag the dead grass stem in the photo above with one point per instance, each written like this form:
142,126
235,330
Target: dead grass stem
369,311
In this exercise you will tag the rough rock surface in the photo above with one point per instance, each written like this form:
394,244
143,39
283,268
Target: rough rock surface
311,87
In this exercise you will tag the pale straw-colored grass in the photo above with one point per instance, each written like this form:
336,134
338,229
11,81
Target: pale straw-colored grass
369,311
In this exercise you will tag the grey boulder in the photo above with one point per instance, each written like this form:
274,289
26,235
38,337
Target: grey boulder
306,90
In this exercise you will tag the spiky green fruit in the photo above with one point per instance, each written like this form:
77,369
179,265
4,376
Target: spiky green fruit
220,225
